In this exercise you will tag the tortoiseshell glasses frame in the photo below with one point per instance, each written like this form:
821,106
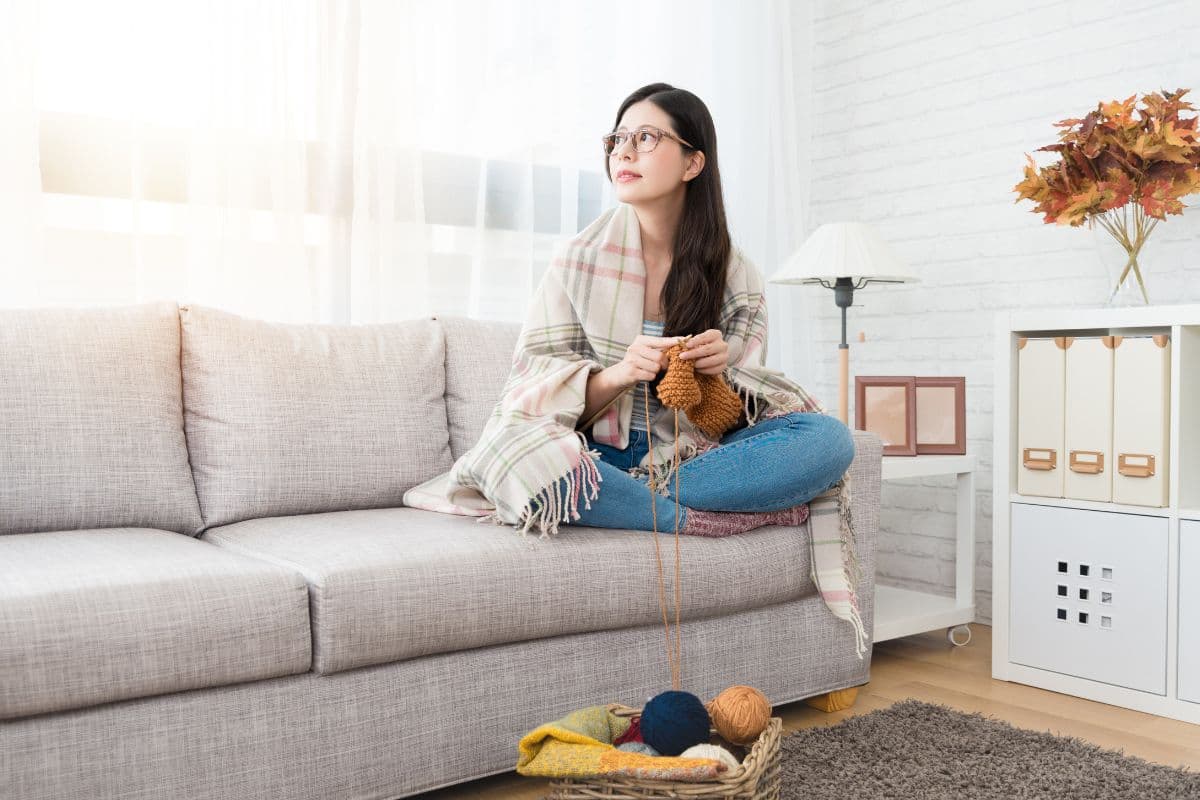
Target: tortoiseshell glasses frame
642,145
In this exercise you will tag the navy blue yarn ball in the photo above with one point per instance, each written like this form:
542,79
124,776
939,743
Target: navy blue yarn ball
673,721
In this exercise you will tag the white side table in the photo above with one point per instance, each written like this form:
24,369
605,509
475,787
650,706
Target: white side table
901,612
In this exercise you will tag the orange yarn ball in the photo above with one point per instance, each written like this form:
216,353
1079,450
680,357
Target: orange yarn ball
740,713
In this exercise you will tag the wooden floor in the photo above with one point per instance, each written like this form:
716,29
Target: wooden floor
927,667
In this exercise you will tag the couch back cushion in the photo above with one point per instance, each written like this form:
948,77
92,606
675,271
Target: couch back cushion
479,357
287,418
91,420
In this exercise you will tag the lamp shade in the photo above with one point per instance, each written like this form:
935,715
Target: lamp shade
843,250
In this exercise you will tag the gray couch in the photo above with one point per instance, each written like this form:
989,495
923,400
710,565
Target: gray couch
209,587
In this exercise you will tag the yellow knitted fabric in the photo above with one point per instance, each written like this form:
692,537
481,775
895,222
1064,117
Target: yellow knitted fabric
579,745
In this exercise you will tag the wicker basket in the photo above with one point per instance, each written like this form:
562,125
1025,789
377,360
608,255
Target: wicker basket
756,779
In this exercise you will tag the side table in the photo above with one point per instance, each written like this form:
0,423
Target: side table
901,612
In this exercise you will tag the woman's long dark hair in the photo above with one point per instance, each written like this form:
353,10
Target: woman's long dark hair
695,286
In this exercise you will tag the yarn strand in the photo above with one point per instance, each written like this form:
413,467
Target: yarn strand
662,592
677,683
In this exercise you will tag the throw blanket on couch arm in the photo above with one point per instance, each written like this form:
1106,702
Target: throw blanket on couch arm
585,313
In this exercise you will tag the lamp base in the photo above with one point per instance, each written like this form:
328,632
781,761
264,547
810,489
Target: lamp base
844,383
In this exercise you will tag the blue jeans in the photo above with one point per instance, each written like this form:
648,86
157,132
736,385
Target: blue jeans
777,463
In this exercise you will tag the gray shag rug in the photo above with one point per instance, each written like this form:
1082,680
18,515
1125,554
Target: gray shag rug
921,750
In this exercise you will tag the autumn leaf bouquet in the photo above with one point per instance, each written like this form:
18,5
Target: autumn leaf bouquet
1124,172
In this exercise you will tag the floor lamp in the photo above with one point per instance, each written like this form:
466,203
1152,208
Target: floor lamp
843,256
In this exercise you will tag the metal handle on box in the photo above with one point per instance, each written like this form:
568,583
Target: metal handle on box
1039,458
1137,470
1087,462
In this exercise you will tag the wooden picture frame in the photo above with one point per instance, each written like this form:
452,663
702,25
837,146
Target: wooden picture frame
886,405
941,415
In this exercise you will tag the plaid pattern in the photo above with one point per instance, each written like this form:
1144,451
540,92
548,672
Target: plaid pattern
585,313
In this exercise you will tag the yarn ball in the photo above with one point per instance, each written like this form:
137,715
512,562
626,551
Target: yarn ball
714,752
632,734
638,747
740,713
673,721
678,387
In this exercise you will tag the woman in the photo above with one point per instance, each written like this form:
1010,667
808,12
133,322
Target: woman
563,444
662,159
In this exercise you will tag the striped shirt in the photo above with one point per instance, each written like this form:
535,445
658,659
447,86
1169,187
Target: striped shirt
638,420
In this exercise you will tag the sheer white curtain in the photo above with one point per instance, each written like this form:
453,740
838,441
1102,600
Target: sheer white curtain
20,192
363,160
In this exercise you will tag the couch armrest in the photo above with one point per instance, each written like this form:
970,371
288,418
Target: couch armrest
865,477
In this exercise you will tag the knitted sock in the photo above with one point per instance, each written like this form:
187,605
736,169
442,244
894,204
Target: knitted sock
726,523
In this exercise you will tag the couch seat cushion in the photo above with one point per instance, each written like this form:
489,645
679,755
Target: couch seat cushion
391,584
93,616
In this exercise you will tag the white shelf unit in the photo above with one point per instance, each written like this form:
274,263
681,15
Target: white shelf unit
902,612
1142,543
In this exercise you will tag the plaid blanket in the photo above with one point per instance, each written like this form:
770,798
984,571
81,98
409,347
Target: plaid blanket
585,313
579,745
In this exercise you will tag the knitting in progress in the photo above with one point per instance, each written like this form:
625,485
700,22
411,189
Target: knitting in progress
713,407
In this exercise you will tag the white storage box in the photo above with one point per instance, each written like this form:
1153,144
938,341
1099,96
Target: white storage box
1189,610
1141,414
1089,418
1040,390
1089,594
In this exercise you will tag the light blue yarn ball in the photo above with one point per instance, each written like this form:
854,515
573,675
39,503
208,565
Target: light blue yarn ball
638,747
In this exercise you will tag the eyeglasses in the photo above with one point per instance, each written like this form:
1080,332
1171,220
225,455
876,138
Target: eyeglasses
645,139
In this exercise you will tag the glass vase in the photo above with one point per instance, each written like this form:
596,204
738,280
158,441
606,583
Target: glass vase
1127,291
1122,259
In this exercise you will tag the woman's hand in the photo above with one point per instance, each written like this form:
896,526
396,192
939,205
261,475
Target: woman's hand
710,352
643,360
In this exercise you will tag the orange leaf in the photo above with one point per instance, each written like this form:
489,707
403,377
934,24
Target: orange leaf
1157,200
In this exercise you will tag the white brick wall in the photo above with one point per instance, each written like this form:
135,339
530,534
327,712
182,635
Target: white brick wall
922,114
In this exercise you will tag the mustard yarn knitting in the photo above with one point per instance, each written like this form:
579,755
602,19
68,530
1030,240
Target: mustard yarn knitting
740,713
678,387
709,402
719,408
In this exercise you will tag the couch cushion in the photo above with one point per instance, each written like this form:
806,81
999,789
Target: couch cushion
299,418
391,584
479,356
89,617
92,432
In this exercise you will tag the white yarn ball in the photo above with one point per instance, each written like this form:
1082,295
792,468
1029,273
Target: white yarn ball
714,751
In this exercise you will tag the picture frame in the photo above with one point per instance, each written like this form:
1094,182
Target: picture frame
886,405
941,415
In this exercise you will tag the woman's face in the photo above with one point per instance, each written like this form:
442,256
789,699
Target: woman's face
661,172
